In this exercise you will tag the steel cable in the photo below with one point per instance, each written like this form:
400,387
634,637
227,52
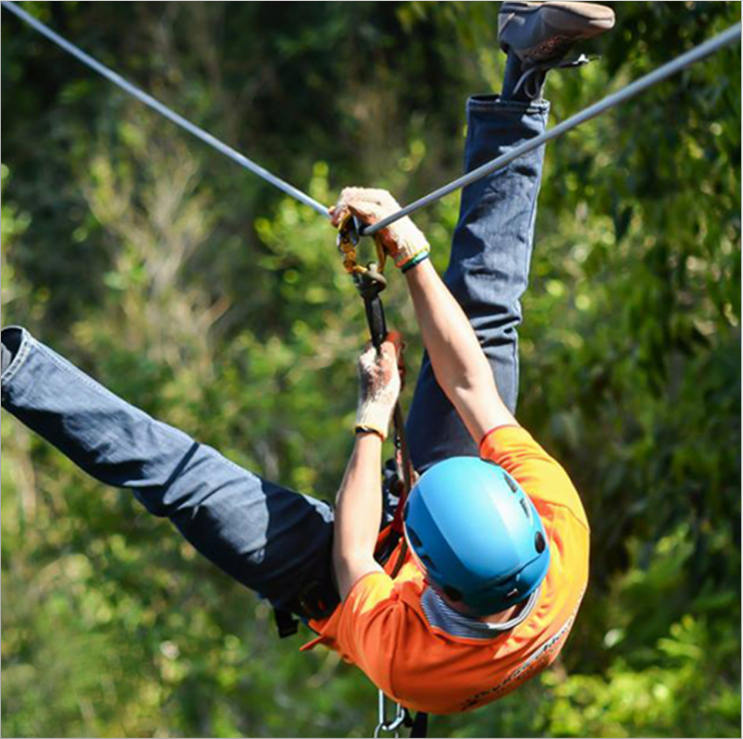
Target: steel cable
164,110
726,38
696,54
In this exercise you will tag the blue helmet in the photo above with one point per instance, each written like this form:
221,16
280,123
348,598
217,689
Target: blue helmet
477,535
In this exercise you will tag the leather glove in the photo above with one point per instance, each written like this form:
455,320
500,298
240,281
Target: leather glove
380,381
402,240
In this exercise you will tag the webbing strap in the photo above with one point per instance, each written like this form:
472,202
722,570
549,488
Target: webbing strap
420,725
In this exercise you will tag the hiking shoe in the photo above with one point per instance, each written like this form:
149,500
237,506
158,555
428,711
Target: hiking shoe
541,33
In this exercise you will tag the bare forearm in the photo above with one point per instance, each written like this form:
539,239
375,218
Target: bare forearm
460,366
358,514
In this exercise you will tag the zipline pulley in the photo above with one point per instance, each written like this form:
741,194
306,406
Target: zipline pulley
369,279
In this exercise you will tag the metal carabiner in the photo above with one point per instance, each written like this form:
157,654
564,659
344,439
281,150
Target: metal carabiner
369,280
386,726
349,236
347,241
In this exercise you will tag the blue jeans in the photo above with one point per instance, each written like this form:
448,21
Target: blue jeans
488,269
271,539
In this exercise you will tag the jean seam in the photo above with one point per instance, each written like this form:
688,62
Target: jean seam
27,343
80,375
532,222
228,462
163,427
105,393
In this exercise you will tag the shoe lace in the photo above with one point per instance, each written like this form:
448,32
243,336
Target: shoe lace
531,80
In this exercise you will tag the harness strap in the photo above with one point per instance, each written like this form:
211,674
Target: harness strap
316,600
420,725
286,623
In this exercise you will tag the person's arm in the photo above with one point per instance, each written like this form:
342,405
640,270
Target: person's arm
357,514
359,502
458,362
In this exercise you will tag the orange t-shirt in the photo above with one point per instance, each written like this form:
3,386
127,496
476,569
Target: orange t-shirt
383,628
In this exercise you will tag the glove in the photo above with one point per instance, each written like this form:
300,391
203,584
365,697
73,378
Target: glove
379,385
402,240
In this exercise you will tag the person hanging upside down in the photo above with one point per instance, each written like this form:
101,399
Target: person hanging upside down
483,589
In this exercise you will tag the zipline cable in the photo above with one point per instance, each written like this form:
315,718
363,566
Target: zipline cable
730,36
171,115
726,38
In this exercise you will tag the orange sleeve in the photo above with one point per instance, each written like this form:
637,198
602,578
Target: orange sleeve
370,621
543,479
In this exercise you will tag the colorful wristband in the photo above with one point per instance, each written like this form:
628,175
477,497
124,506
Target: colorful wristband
417,259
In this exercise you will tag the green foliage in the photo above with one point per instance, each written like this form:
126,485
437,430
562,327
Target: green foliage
220,306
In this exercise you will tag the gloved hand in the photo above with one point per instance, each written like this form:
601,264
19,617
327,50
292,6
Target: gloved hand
380,381
402,240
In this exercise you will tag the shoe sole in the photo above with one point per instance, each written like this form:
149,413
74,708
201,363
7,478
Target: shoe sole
571,21
598,17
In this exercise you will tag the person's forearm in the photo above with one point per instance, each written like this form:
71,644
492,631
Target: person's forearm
358,514
458,362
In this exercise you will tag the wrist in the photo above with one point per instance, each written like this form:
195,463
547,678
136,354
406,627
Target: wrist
411,254
373,417
419,272
414,261
406,242
364,432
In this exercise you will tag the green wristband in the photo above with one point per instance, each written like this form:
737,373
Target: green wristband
417,259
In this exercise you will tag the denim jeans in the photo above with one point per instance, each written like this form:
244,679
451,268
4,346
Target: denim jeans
488,269
271,539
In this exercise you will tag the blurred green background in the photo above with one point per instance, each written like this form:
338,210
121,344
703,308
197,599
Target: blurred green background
203,295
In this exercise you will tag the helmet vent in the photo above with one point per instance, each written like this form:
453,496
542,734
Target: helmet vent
539,543
415,540
511,484
525,508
